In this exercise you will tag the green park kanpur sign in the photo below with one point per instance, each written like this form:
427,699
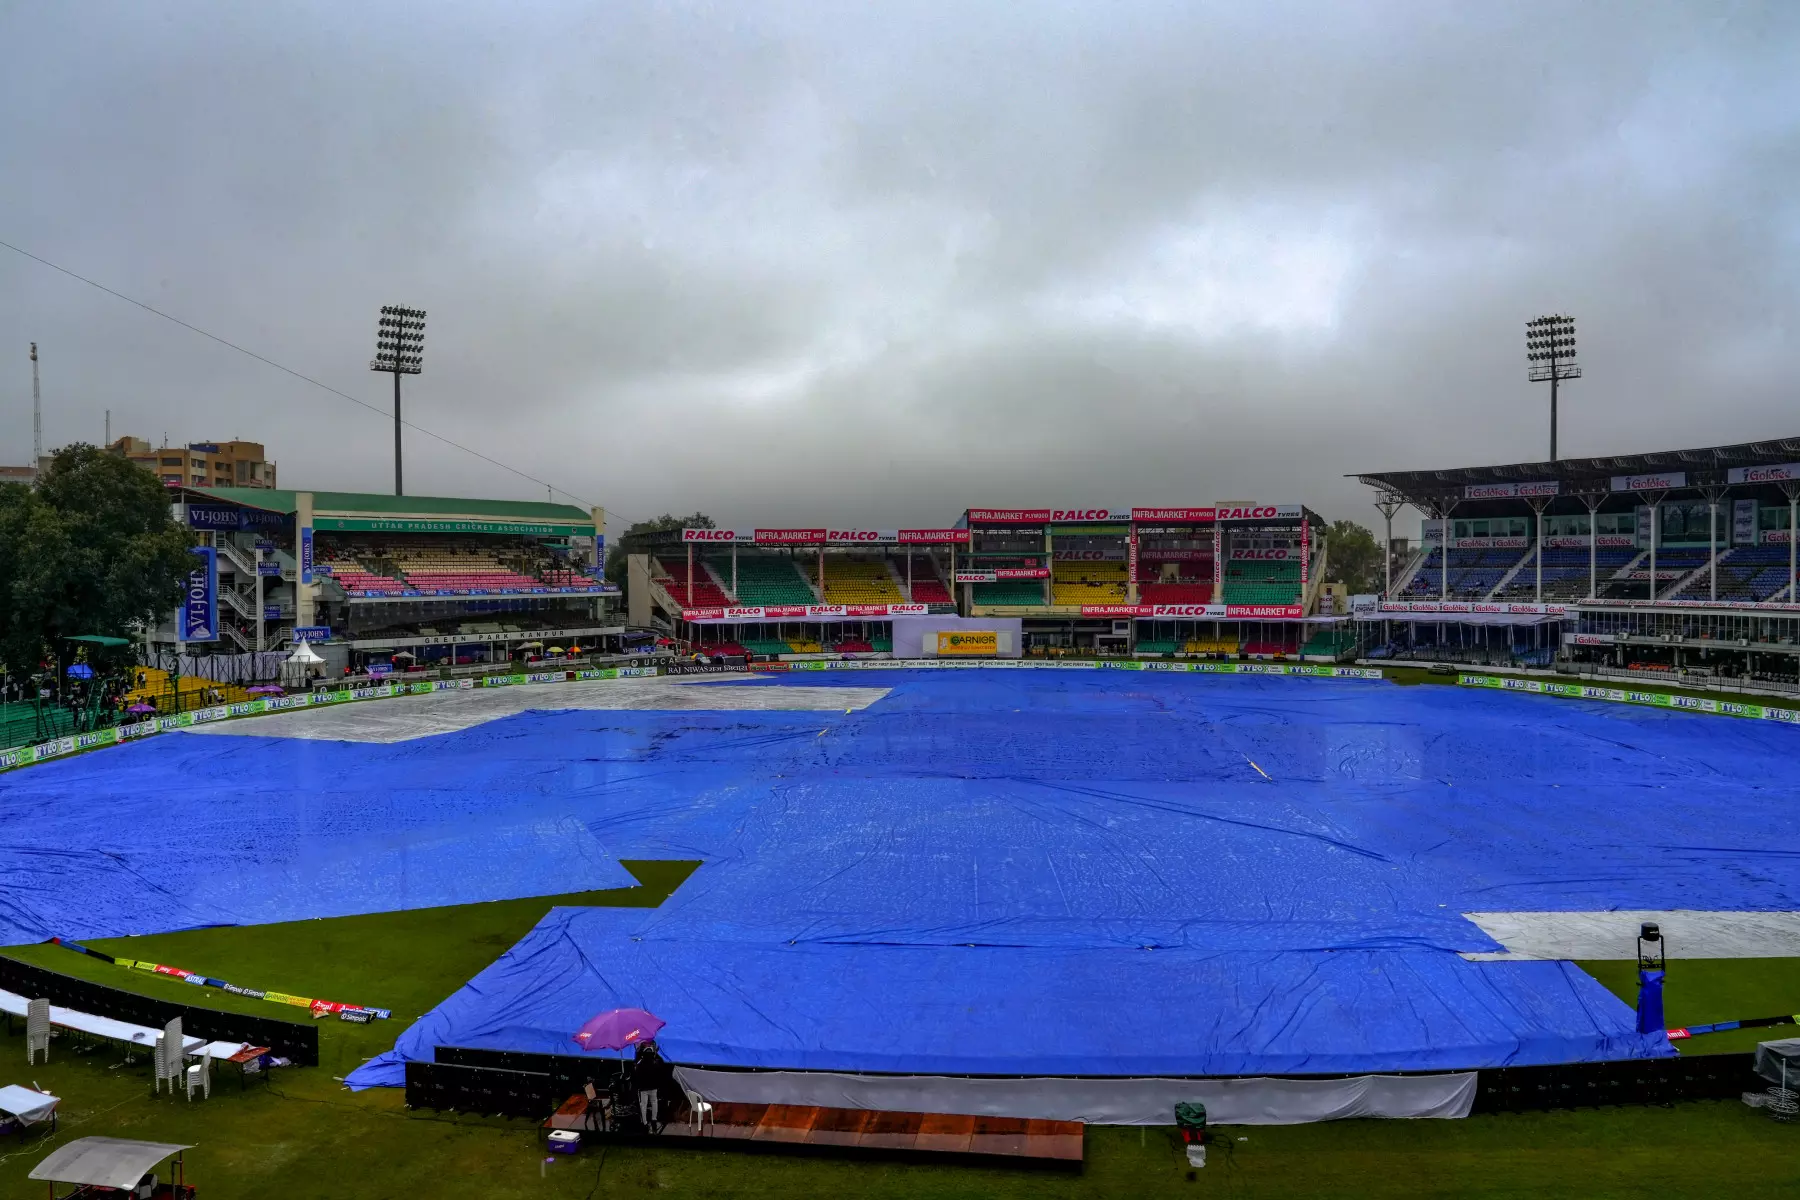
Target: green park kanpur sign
449,525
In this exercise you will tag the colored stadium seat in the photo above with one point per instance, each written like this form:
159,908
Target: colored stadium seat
1262,582
927,586
1329,642
1087,583
1155,646
1011,591
766,579
707,594
860,581
1175,593
1210,645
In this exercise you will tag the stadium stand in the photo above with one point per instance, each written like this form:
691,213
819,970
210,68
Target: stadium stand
1566,569
853,646
767,579
1157,646
766,645
1261,582
707,594
1266,648
800,645
351,575
882,645
1329,642
1010,591
927,586
1749,573
439,564
860,581
1473,573
1672,562
1175,593
726,648
1087,583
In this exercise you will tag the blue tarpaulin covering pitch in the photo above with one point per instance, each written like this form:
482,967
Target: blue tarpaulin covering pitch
182,831
1006,872
1053,873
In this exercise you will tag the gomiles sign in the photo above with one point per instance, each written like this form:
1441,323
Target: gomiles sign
198,618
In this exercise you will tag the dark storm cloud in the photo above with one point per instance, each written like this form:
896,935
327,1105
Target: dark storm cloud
877,263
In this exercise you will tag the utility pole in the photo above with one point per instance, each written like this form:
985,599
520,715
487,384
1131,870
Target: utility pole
37,414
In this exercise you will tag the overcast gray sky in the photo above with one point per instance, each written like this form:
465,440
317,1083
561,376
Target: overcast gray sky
873,264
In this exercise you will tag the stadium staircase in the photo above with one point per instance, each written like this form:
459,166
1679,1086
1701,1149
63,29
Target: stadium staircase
1408,569
1309,599
1526,562
1694,585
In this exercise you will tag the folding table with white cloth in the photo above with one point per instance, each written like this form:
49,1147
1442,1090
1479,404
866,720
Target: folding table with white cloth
22,1106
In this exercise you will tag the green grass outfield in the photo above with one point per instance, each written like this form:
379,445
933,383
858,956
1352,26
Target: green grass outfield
305,1136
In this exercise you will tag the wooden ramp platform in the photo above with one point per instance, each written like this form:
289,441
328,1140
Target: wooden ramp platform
911,1134
801,1129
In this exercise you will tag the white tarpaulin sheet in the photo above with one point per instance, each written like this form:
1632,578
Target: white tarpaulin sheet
1246,1101
1690,933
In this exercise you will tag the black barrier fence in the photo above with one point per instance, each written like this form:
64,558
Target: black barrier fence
1631,1081
533,1085
289,1039
490,1091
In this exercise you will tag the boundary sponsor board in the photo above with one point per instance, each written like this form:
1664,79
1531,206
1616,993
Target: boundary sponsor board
1582,691
200,602
1660,482
1509,491
22,756
1257,512
1473,606
804,612
1775,474
1579,541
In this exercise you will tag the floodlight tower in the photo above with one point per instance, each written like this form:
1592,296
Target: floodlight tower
399,350
1550,349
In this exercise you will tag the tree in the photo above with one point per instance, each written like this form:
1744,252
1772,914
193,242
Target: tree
1355,557
92,549
636,540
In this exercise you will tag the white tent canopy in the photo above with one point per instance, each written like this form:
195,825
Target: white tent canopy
104,1161
304,653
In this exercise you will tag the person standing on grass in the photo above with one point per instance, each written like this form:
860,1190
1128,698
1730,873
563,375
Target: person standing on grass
651,1075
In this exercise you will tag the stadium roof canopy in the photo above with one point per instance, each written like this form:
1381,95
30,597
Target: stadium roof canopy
1701,467
424,514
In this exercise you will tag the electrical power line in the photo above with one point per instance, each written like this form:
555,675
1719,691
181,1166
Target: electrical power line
300,375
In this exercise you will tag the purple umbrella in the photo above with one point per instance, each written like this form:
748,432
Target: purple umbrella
618,1029
142,708
267,689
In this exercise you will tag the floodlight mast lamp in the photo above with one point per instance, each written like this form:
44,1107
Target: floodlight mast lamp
1550,349
399,350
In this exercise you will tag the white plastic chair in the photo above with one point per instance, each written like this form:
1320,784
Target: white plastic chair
699,1112
199,1078
37,1031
